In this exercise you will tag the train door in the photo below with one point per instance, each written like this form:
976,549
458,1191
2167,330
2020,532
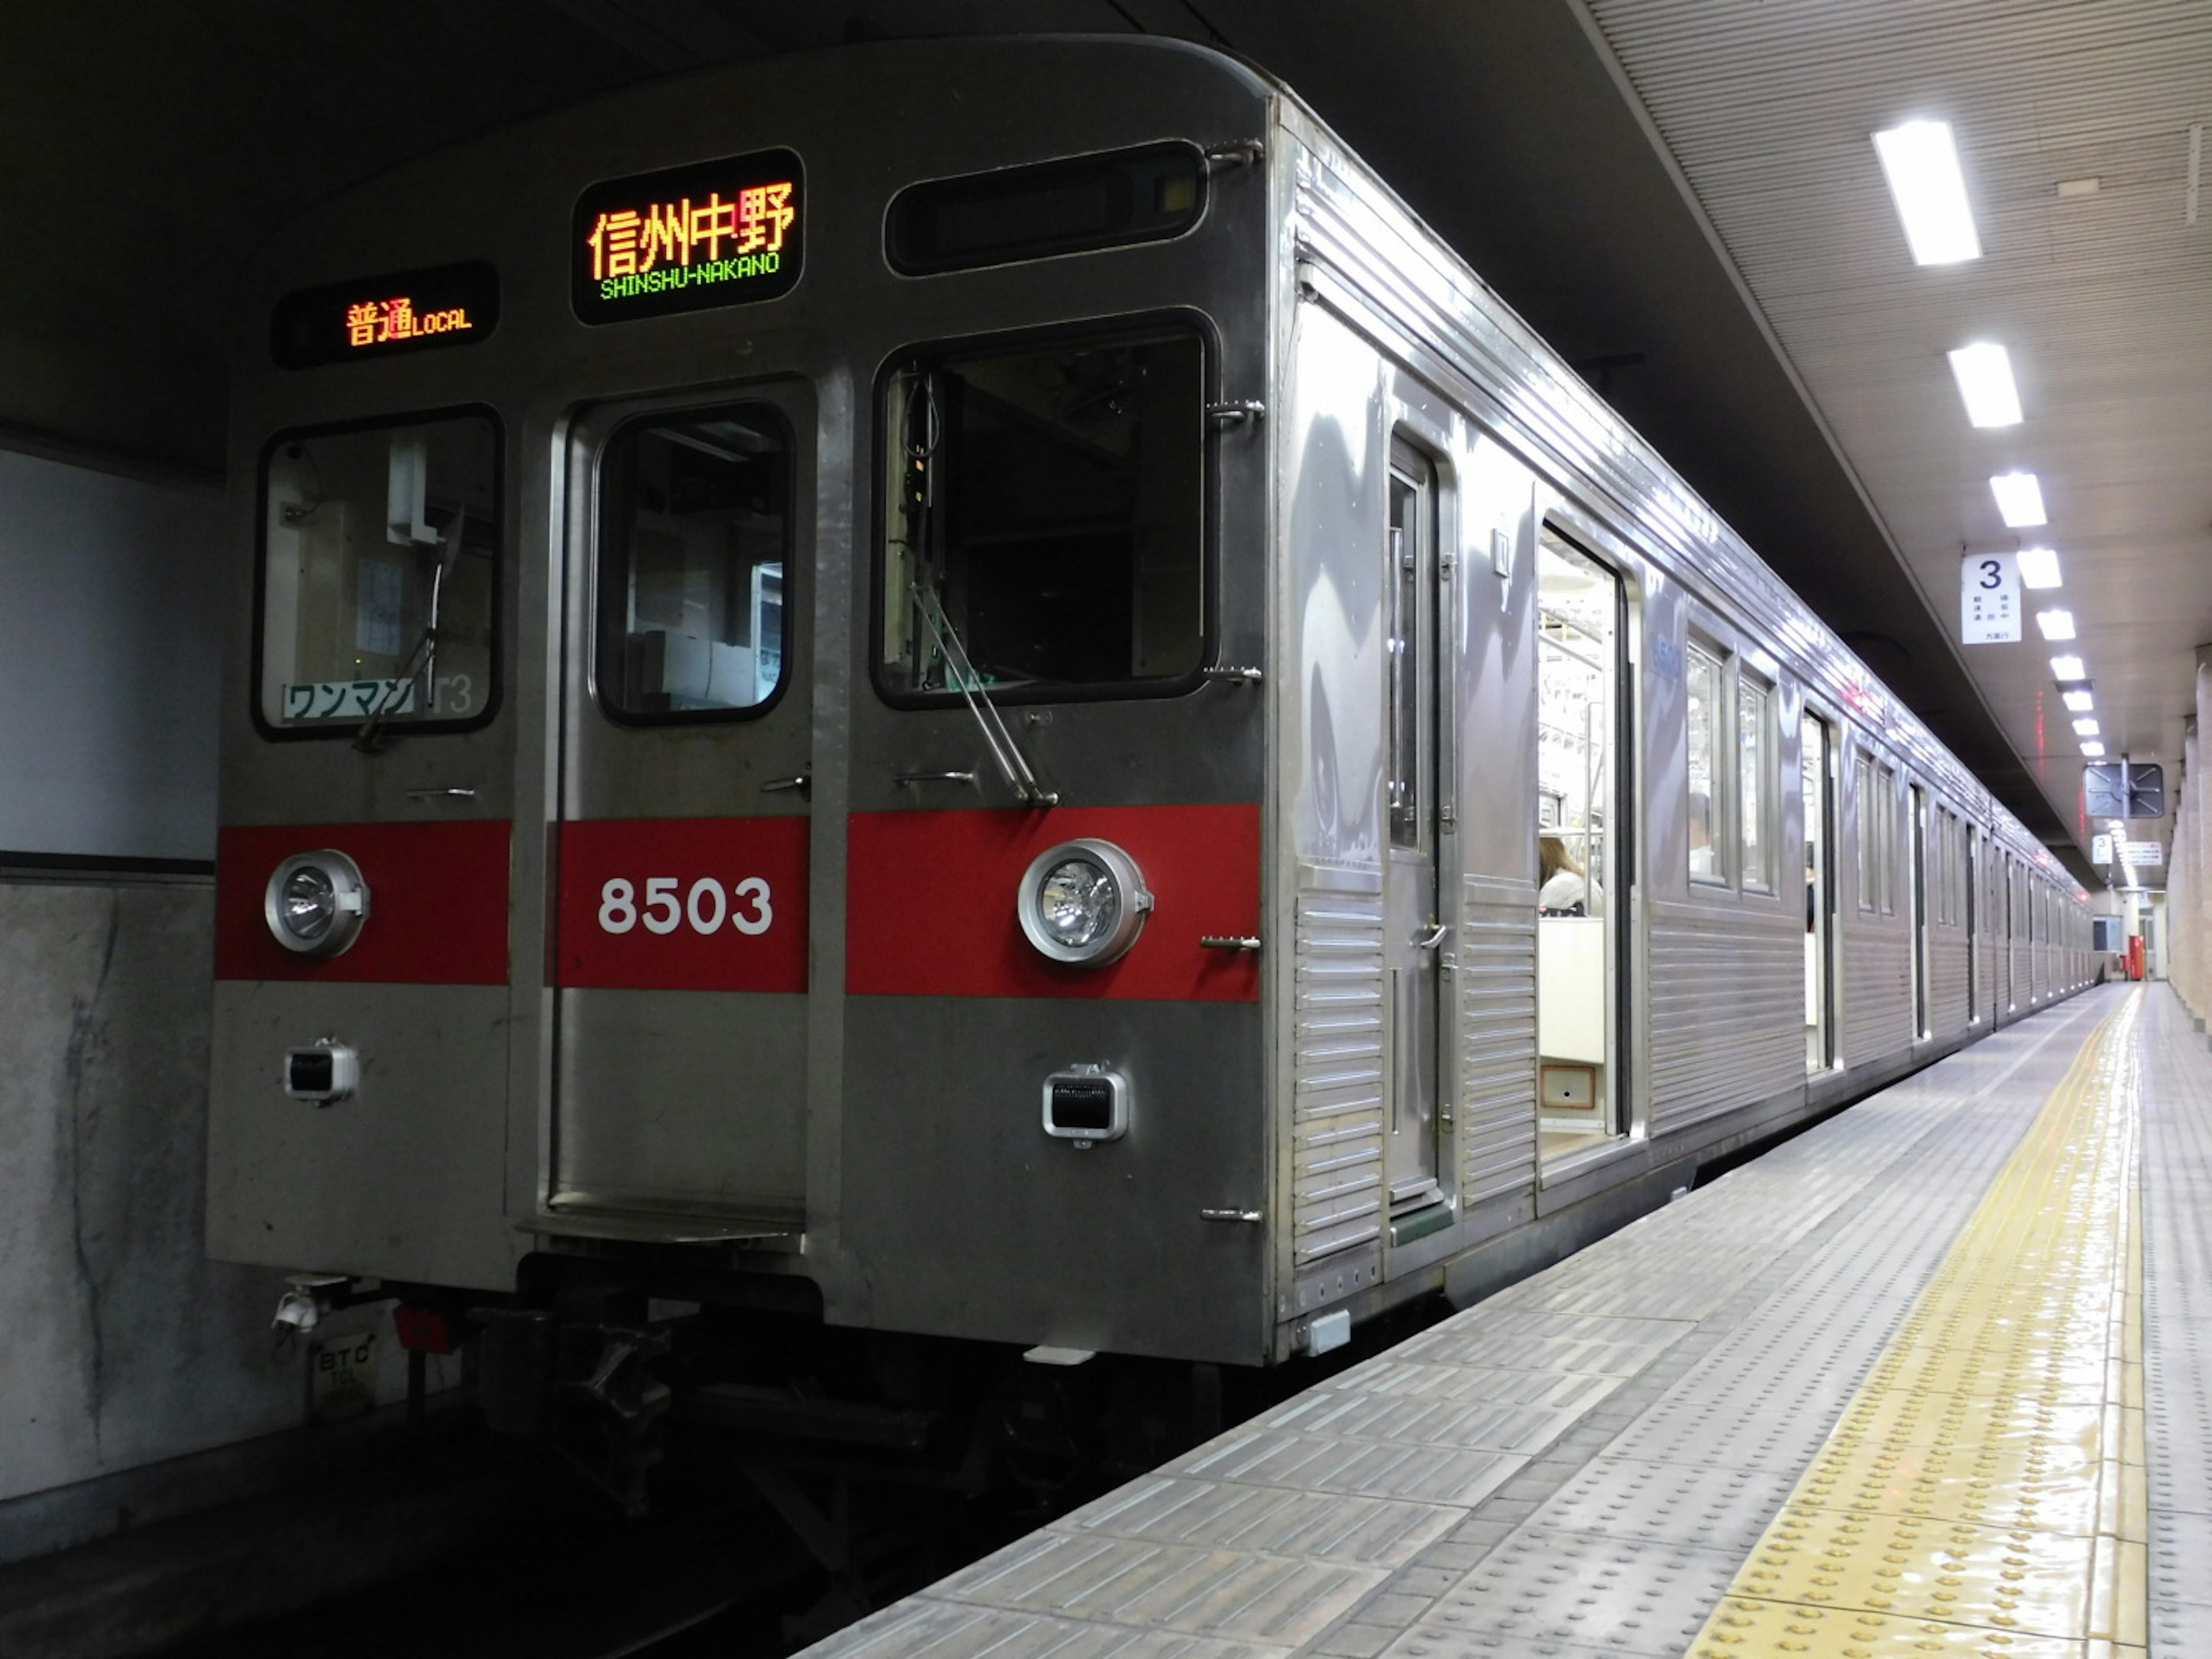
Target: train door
1581,672
1413,906
1816,754
680,915
1920,931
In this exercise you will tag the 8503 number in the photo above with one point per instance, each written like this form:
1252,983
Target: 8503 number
707,907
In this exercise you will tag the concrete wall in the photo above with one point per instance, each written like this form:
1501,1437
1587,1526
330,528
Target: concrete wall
125,1355
111,644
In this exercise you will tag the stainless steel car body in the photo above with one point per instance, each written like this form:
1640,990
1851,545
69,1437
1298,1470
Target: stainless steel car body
884,1143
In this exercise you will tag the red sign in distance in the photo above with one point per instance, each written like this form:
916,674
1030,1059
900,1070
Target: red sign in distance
682,905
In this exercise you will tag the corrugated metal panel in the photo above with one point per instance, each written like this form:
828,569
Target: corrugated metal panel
2104,300
1496,1108
1728,1006
1877,989
1337,1109
1947,1009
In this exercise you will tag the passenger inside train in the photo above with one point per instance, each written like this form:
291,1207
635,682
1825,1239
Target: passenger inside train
1564,888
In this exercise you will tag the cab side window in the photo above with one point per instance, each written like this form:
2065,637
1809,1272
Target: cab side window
380,575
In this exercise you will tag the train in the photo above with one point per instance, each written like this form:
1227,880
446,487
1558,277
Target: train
874,697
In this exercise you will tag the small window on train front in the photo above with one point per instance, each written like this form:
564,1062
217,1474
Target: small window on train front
694,549
1074,206
380,549
1044,523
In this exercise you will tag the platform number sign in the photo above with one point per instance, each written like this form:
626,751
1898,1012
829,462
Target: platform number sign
1989,599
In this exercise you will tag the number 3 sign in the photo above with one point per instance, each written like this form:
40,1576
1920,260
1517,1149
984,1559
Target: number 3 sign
684,904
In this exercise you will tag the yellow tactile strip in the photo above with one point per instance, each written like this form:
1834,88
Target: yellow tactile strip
1984,1493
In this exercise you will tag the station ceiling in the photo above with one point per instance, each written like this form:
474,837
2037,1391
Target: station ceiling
1681,195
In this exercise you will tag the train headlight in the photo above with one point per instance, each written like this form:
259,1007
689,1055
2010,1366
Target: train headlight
1083,902
316,902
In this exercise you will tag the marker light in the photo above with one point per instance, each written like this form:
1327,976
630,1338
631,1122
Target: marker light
2079,703
1984,375
2086,728
2055,624
1081,902
2019,498
2068,668
2092,748
315,903
1922,165
2038,567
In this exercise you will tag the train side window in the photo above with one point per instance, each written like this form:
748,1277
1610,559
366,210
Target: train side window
1754,746
1044,522
380,574
1869,848
695,550
1703,677
1885,808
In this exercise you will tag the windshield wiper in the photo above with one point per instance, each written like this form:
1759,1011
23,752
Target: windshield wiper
423,657
1013,763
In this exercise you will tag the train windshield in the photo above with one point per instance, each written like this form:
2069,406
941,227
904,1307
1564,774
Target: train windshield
1045,518
380,557
695,531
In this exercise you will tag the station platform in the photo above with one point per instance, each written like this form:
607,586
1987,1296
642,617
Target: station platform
1924,1380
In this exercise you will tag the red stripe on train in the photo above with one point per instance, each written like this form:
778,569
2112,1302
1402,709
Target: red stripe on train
683,904
437,903
930,902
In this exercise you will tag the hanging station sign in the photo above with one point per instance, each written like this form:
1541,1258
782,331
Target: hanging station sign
379,316
1989,598
721,232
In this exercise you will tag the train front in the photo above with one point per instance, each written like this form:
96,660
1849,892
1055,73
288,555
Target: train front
743,776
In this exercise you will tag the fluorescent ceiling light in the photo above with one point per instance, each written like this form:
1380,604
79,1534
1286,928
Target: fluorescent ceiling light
2038,567
1922,166
2086,728
2019,498
2080,701
2092,748
2068,668
2055,624
1984,375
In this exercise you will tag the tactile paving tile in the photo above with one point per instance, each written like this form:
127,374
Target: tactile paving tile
923,1627
1911,1567
1958,1488
1797,1342
1268,1520
1619,1595
1135,1584
1391,1375
1744,1628
1546,1342
1721,1509
1370,1469
1490,1425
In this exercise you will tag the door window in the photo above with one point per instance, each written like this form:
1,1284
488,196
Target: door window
694,549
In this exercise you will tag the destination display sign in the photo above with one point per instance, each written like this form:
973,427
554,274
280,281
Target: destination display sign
724,233
378,316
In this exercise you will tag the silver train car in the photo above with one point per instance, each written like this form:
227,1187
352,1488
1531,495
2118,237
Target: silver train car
876,686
